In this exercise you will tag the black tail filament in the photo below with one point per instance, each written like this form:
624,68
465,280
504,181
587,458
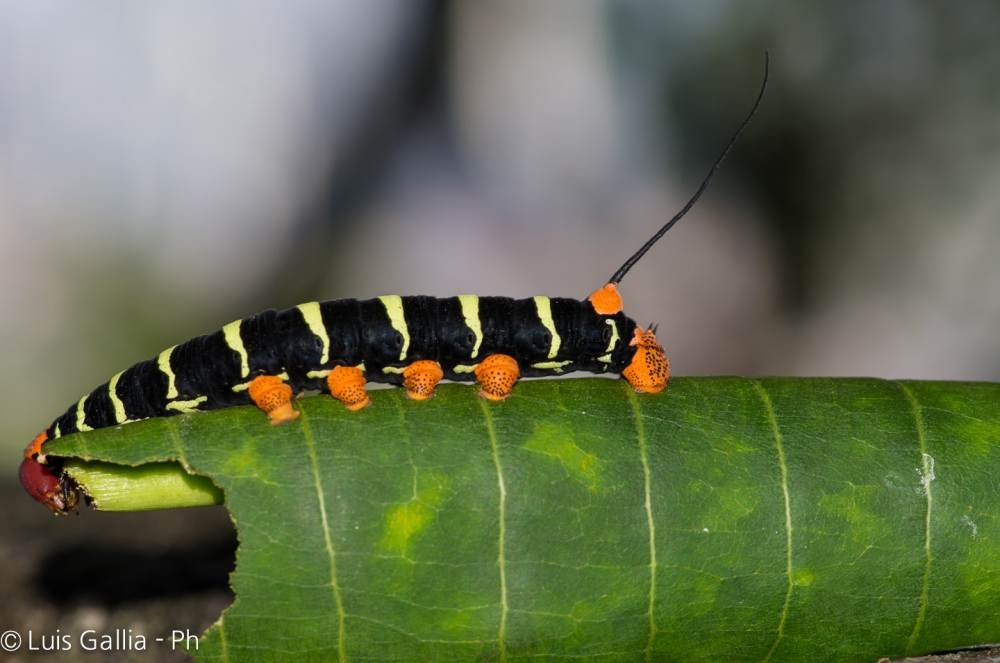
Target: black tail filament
620,274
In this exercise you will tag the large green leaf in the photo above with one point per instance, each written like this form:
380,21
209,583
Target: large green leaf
724,519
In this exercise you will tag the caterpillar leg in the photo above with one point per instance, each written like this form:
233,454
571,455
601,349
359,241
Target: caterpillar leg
496,376
420,378
347,385
273,396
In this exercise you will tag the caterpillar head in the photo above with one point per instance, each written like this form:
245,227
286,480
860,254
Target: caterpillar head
44,481
48,486
649,369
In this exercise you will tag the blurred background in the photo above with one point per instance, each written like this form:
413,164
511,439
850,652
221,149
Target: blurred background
166,168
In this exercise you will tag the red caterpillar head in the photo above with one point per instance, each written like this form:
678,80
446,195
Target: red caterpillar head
52,489
45,483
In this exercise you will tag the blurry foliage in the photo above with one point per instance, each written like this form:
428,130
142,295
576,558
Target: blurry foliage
868,102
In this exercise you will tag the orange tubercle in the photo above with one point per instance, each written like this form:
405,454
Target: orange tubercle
273,396
347,385
496,375
649,369
607,300
420,378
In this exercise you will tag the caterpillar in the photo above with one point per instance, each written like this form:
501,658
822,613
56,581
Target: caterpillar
338,346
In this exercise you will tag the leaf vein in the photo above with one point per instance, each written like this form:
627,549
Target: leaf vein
788,515
310,443
927,477
222,638
501,562
175,436
640,432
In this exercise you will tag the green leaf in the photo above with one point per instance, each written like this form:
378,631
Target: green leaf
727,519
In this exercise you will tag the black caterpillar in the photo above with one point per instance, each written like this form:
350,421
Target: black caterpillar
381,337
336,346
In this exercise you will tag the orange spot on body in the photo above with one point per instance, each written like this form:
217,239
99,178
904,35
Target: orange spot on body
35,448
607,300
273,396
347,385
649,369
496,375
420,378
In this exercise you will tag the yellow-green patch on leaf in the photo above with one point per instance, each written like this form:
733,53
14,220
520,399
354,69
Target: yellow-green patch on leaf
554,441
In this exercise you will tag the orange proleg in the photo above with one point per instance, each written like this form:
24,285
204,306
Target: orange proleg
272,395
497,375
347,385
649,369
420,378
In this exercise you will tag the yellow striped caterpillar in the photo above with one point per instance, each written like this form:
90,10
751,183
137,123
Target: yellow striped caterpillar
337,346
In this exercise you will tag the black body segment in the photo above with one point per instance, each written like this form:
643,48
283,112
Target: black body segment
380,336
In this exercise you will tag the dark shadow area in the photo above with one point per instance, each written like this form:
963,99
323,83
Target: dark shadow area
153,572
112,576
